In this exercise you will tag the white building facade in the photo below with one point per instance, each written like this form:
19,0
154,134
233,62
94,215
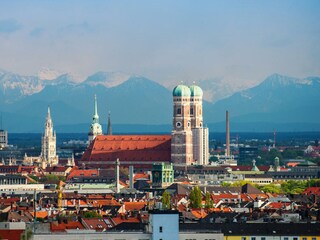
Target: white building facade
48,143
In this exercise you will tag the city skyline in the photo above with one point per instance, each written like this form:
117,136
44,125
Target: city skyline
234,41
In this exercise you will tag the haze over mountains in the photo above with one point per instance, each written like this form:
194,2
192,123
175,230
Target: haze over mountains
279,102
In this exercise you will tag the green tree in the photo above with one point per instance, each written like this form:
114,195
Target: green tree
213,159
26,235
294,187
313,183
195,197
271,188
52,179
166,200
289,154
225,184
91,214
240,183
208,201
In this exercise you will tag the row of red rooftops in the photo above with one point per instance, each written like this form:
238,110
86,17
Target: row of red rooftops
135,210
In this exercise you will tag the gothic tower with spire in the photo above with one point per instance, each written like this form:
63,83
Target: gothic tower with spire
109,131
95,128
48,146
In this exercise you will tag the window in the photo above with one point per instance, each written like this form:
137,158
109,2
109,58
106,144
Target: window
160,229
263,238
314,238
285,238
243,238
295,238
178,110
304,238
191,110
253,238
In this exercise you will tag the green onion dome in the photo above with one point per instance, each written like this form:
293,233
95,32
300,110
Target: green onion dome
181,91
196,91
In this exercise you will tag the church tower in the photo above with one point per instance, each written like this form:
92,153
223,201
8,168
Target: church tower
95,128
48,143
200,134
196,106
109,131
181,141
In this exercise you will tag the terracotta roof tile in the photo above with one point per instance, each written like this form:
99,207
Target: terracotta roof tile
312,190
104,202
121,219
42,214
141,175
131,206
97,224
61,227
83,173
198,213
140,148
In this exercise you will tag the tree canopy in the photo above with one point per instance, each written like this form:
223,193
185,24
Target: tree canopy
196,198
166,200
208,201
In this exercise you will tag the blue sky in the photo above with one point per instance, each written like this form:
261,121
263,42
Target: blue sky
167,41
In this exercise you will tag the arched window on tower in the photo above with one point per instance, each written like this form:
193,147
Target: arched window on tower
191,110
179,111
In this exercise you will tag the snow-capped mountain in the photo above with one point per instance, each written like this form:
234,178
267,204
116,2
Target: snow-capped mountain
107,79
138,100
48,74
277,99
13,87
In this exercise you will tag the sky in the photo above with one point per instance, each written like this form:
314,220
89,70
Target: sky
167,41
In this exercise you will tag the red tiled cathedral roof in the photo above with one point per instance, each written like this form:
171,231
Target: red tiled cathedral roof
129,148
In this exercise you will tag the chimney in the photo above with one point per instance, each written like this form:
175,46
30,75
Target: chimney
117,176
131,176
227,135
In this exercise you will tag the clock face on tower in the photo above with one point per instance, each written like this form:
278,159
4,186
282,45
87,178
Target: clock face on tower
178,124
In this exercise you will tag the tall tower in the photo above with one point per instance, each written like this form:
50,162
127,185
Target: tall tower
48,146
227,135
200,134
109,131
181,141
95,128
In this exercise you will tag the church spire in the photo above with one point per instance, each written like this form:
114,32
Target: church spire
109,131
48,124
48,148
95,115
48,115
95,128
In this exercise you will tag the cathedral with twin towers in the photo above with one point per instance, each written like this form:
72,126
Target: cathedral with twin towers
188,143
189,138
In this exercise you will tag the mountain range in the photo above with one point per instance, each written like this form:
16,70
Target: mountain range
142,105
